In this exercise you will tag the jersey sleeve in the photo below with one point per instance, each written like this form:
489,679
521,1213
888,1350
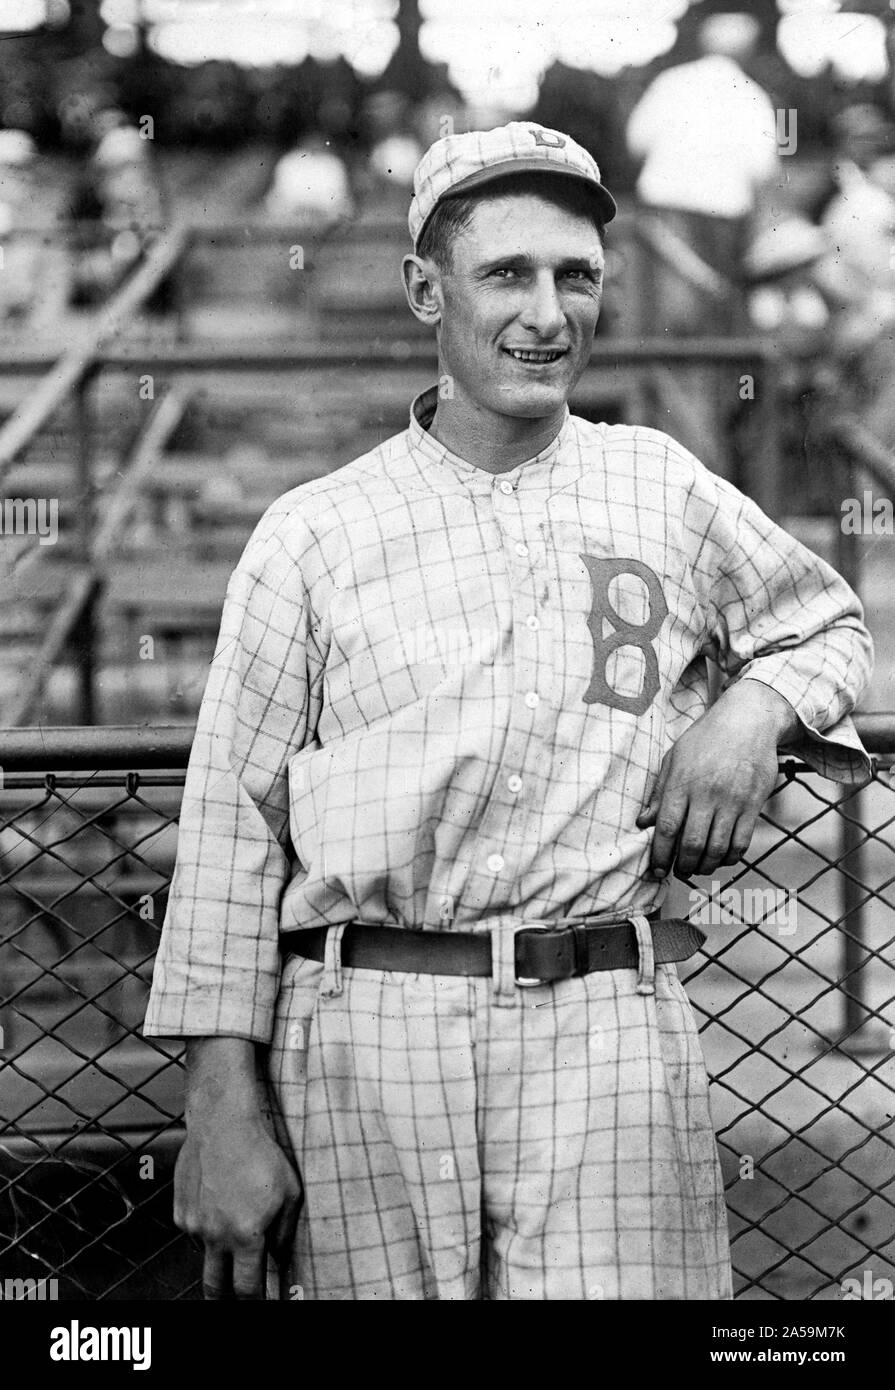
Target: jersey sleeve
778,613
217,969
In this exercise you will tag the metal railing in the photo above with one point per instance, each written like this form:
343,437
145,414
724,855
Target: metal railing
71,376
78,608
797,1012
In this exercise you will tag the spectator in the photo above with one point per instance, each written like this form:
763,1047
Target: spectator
20,256
310,183
128,192
786,298
396,150
121,194
859,222
707,135
791,296
860,217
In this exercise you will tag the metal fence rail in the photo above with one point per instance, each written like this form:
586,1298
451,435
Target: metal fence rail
796,1001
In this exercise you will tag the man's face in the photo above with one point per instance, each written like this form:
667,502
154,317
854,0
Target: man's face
520,305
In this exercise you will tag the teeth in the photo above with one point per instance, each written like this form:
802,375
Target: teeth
534,356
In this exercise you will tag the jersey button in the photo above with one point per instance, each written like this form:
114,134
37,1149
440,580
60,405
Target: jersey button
495,863
521,549
506,488
514,783
532,623
532,699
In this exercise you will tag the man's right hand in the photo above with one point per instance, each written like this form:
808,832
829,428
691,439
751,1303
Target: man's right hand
233,1185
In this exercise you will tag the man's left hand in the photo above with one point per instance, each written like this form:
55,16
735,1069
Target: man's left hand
714,782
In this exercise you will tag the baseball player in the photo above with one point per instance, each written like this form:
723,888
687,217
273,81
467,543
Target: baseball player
456,734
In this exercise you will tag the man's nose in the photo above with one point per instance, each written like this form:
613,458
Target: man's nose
543,314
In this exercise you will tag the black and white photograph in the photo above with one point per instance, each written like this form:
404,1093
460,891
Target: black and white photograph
447,643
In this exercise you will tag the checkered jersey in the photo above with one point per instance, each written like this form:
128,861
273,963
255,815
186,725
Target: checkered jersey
440,695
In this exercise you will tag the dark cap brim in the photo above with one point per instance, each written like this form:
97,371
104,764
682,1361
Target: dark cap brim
602,197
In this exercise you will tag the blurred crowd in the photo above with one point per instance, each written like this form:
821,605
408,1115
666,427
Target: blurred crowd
809,245
111,205
795,213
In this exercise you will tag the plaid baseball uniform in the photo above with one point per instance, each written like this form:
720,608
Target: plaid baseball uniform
439,700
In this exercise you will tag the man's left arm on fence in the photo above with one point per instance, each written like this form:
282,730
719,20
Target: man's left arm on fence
790,638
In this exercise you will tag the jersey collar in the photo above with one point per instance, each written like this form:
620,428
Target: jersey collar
435,462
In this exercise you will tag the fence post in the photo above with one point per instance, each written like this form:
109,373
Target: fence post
851,837
851,859
85,632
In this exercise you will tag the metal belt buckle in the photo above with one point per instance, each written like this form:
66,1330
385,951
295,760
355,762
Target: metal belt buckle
578,934
523,982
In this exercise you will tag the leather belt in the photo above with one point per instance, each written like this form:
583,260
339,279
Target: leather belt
544,954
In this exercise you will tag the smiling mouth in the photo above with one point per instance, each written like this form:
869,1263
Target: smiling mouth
538,356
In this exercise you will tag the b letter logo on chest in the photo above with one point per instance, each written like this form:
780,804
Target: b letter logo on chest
624,633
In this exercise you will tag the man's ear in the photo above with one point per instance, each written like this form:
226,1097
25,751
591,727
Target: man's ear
422,286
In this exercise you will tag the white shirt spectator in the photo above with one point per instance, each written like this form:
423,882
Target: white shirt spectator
395,158
708,135
860,224
310,183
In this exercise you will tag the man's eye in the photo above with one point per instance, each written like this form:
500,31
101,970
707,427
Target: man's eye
504,272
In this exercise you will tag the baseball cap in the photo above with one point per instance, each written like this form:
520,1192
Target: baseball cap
459,163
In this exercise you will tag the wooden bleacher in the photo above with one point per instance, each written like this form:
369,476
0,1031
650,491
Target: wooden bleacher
244,438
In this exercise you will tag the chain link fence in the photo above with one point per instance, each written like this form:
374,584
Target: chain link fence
795,994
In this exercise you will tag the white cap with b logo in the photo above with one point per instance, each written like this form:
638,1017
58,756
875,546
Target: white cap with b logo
459,163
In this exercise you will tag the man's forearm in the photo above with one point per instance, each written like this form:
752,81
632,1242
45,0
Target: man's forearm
221,1079
713,783
234,1187
752,702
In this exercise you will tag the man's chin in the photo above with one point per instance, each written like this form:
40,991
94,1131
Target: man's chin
534,400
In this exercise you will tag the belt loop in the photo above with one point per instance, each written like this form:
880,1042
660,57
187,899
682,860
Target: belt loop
503,960
331,986
582,955
646,957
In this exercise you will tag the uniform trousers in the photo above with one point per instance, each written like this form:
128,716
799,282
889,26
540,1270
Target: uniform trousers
466,1138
